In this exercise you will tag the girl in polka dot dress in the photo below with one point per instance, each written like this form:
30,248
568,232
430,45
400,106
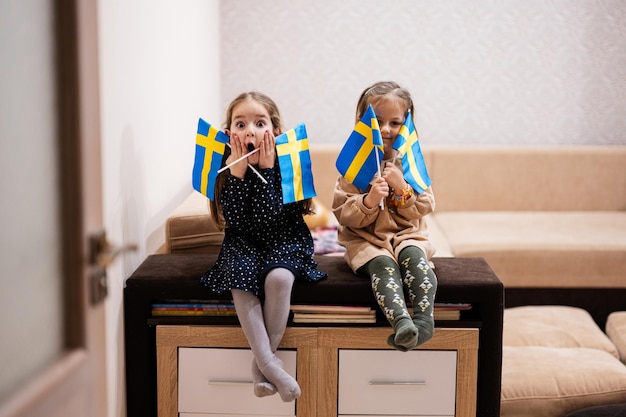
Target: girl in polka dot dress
267,244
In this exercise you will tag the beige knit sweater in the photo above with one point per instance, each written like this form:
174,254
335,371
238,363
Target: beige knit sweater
367,233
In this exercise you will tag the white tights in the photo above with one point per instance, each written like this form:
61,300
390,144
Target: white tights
264,327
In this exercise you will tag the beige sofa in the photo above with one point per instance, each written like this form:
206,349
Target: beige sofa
541,217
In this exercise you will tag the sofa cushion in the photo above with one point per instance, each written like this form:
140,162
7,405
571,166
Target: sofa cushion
542,249
553,326
539,381
578,178
616,330
190,228
438,238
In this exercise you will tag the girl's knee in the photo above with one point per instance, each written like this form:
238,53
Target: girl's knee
379,264
279,279
412,252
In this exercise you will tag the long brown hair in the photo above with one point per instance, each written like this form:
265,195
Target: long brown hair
272,110
380,90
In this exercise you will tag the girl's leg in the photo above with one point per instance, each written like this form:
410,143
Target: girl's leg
278,286
250,315
386,282
422,284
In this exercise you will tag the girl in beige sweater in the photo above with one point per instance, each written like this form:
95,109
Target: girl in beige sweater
389,242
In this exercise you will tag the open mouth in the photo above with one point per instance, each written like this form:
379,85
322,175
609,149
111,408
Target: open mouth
250,147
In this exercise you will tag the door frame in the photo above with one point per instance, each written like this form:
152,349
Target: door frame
74,385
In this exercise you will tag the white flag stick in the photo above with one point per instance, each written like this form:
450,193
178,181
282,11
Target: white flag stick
381,204
251,167
395,157
258,174
237,160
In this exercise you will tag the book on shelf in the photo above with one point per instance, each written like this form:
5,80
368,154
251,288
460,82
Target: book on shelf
333,318
193,313
330,309
446,314
453,306
449,311
318,313
220,308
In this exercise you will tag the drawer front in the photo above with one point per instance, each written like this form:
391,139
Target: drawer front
218,381
389,382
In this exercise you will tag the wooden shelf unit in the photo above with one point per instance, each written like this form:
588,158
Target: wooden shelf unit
151,344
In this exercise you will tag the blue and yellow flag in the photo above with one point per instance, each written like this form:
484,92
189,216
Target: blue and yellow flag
413,165
292,150
210,147
360,157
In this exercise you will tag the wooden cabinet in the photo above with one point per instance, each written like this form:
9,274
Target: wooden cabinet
341,370
152,344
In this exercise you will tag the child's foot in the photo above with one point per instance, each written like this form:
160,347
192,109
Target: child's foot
262,388
392,343
287,386
406,333
425,326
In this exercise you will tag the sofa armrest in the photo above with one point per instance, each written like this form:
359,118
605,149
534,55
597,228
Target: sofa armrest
191,229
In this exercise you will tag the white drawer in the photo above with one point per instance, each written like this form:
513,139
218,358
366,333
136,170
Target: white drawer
389,382
215,381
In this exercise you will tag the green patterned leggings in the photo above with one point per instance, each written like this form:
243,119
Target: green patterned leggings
388,280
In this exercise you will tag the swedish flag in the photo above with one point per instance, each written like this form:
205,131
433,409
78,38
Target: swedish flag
210,147
294,160
407,144
360,157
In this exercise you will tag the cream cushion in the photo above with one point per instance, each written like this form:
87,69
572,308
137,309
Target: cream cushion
554,326
190,228
616,330
543,248
540,381
555,360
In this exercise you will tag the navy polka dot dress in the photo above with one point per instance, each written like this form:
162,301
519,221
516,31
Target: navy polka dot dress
261,234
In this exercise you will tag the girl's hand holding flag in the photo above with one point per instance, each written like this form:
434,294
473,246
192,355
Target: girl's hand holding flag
251,151
394,177
377,193
268,151
236,162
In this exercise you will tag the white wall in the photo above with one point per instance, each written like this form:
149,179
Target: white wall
159,62
486,72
